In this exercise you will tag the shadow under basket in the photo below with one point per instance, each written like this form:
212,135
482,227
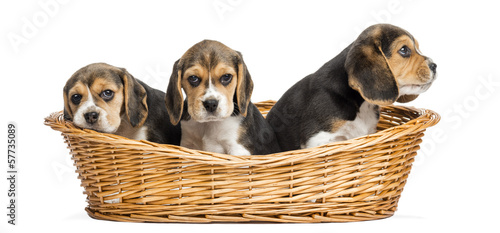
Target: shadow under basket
355,180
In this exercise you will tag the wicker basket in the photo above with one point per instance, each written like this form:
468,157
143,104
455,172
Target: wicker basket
354,180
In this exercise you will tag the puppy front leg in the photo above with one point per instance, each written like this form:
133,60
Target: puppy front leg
213,146
237,149
323,138
189,143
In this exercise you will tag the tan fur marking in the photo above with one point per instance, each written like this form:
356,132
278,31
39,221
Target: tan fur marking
336,125
194,94
114,106
78,88
228,90
408,71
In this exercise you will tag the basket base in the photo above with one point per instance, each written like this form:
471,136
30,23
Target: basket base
240,218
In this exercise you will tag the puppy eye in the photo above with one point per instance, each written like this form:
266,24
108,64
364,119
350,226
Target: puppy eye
404,51
76,99
107,95
194,81
226,79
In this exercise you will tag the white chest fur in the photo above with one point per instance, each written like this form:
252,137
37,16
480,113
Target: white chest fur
214,136
365,123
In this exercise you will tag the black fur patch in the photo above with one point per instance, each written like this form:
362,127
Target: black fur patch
259,137
159,127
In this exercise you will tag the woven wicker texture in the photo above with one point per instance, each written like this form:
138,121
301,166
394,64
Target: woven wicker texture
354,180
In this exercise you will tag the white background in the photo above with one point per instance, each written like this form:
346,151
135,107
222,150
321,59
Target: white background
453,184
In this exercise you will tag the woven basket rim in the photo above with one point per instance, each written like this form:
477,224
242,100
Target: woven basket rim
426,118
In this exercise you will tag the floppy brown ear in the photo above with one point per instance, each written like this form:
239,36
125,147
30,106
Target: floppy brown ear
173,98
135,98
406,98
244,87
369,73
68,114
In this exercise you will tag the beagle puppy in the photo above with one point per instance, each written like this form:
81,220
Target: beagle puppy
108,99
217,114
341,100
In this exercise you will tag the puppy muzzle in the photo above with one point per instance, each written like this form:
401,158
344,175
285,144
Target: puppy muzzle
433,69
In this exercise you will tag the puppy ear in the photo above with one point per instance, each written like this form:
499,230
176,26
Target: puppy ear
68,114
173,98
368,70
406,98
244,87
135,98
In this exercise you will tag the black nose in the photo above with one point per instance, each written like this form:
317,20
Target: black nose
433,67
91,117
210,105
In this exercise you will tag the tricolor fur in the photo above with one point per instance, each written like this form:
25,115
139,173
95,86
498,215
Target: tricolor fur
341,100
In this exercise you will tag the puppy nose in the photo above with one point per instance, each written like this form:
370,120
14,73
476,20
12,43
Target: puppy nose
433,67
91,117
210,105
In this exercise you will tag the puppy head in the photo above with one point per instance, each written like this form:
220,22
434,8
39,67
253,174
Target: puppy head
216,82
99,95
385,65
